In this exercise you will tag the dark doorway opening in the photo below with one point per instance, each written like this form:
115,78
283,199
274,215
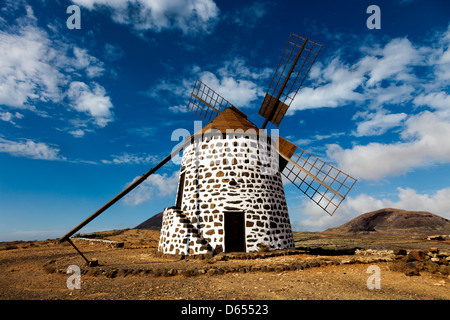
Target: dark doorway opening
234,232
180,191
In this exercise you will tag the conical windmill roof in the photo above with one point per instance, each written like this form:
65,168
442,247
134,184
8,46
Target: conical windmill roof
231,118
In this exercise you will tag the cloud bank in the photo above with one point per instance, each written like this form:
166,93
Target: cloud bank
189,16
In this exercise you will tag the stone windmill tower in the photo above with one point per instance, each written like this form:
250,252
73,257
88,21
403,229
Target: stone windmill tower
230,198
230,193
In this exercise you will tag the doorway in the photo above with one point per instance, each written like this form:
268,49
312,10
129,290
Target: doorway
180,191
234,232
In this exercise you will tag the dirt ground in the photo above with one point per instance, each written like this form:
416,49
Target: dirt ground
38,271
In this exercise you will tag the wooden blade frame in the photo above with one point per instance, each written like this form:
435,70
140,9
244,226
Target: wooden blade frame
206,102
297,59
324,184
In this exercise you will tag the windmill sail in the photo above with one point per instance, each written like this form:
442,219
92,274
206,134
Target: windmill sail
206,102
324,184
297,59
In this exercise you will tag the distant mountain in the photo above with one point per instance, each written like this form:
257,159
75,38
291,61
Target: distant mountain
390,220
153,223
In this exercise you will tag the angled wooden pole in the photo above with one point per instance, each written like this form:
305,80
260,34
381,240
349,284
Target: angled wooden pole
123,193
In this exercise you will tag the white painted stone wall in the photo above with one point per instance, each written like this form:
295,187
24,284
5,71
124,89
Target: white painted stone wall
227,175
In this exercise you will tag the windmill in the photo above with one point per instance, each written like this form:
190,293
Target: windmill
230,193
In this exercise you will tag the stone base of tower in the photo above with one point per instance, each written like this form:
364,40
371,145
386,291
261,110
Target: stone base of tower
179,236
182,235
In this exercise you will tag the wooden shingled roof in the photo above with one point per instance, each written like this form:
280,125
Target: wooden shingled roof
230,118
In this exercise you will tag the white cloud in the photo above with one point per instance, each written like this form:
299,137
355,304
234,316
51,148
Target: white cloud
190,16
378,123
78,133
239,92
33,67
92,101
38,67
339,84
406,199
437,203
84,61
394,62
440,56
178,109
439,101
238,68
30,149
316,138
9,117
155,186
179,88
393,94
27,70
426,141
316,219
234,80
127,158
6,116
336,86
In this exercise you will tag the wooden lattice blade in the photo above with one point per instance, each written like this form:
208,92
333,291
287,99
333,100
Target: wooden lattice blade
206,102
267,107
324,184
297,59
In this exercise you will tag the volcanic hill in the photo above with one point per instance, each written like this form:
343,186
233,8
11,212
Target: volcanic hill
394,221
153,223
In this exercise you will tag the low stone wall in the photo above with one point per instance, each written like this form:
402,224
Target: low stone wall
410,262
103,242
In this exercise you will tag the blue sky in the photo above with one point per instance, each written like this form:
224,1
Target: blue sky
85,111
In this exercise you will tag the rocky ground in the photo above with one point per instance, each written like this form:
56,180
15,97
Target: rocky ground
322,267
